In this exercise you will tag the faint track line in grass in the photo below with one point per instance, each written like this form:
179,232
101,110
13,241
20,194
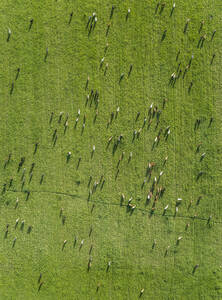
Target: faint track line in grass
115,204
48,192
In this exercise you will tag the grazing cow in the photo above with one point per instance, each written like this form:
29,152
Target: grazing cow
14,241
203,40
93,17
141,292
195,268
185,71
30,24
166,252
202,156
179,239
101,62
165,209
70,17
16,223
128,13
9,34
213,34
157,6
187,226
60,116
17,74
192,57
87,83
176,211
130,70
162,8
46,54
186,26
150,109
163,35
130,156
201,26
108,266
81,244
121,77
112,11
89,264
172,10
154,244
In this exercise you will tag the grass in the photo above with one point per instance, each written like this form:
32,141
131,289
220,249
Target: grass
123,237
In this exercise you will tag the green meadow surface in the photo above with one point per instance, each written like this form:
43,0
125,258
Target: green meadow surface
119,235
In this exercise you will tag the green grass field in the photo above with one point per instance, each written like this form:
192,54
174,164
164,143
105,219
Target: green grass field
133,240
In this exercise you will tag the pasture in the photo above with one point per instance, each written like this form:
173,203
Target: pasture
104,124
